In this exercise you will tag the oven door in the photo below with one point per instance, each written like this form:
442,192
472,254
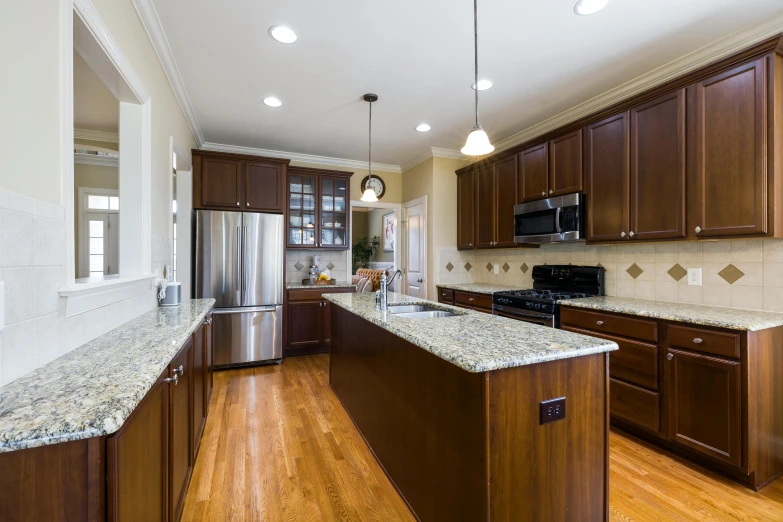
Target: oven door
550,220
524,315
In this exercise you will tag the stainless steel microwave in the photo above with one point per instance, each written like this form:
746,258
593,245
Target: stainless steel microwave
552,220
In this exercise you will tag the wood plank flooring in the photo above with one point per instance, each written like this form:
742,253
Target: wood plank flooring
279,447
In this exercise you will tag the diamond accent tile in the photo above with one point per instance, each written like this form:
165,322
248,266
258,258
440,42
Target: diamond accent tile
506,267
330,266
468,266
524,268
731,274
489,267
299,265
600,265
634,270
677,272
449,267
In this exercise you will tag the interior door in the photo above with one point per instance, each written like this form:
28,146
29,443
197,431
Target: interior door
416,250
112,244
218,257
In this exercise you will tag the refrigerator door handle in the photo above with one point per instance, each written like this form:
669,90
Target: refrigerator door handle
242,309
238,277
244,266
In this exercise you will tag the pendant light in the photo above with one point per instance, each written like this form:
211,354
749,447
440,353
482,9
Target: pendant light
478,142
369,195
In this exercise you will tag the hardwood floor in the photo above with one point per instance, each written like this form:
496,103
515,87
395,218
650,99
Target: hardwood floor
278,446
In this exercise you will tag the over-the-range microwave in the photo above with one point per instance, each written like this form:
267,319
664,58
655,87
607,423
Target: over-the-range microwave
552,220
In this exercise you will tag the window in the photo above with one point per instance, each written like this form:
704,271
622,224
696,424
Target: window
103,202
98,232
96,235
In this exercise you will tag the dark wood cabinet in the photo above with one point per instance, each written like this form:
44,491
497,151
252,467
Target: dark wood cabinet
137,460
318,209
485,207
565,164
704,397
731,126
308,320
608,178
534,172
223,181
199,374
657,200
505,199
181,426
327,321
466,210
209,379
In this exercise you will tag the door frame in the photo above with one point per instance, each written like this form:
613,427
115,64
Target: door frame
397,208
404,244
82,221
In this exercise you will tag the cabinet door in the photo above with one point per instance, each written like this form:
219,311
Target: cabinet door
302,212
565,164
305,324
534,172
264,187
608,192
505,199
209,358
466,208
199,375
485,207
704,395
327,322
333,216
658,168
221,183
138,460
731,171
181,425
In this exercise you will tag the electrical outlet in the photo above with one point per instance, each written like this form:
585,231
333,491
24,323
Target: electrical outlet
497,268
694,276
552,410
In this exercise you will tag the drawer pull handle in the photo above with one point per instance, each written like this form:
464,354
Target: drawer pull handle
174,379
697,340
599,323
470,298
180,370
670,356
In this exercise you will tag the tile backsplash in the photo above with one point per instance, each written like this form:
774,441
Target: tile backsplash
298,263
739,273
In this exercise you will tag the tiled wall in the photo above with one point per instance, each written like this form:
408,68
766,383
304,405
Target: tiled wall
739,274
298,263
32,265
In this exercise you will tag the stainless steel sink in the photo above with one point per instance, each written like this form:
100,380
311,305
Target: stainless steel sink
405,309
430,314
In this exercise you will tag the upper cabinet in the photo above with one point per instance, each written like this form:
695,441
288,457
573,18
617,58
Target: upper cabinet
730,149
224,181
534,172
485,207
317,205
466,209
565,164
496,190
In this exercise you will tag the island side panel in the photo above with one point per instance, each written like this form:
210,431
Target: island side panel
553,471
423,417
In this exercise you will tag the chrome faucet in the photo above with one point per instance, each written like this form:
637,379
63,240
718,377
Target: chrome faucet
381,295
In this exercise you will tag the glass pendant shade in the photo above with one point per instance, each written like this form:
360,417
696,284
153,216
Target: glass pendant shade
478,143
369,196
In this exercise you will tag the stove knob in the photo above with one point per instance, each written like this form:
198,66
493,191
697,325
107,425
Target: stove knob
538,306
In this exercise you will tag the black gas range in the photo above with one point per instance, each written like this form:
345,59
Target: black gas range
551,283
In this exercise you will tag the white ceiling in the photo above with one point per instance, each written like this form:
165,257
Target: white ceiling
94,106
418,57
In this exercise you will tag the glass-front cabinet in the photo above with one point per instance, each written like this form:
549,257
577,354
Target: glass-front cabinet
318,202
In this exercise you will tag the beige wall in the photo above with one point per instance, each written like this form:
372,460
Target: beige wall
359,226
375,228
392,180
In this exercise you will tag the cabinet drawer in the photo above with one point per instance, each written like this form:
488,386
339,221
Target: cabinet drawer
445,295
643,329
316,293
473,300
634,404
726,344
634,362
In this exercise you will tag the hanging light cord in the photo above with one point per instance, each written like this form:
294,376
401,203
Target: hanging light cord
369,157
475,56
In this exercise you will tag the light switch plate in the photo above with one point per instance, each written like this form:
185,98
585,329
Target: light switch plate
694,276
497,268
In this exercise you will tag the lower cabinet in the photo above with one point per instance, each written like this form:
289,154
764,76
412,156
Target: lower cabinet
181,461
308,320
469,300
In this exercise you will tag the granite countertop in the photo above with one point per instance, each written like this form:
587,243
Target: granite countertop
92,390
478,288
731,318
294,285
474,341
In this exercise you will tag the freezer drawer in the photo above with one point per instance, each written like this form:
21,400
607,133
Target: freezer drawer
247,336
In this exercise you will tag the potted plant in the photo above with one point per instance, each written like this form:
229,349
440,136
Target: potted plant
363,251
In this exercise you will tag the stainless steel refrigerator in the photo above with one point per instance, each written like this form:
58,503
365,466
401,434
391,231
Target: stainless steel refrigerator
239,259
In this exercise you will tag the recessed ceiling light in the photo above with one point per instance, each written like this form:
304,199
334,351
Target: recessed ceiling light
282,34
272,102
588,7
483,85
423,127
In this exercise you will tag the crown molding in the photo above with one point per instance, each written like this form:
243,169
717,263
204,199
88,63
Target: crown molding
433,152
154,29
679,67
107,137
94,159
303,158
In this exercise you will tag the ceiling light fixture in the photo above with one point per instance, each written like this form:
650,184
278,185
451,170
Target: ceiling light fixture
483,85
272,102
369,195
588,7
477,143
423,127
282,34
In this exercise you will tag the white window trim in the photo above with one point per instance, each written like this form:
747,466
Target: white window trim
83,211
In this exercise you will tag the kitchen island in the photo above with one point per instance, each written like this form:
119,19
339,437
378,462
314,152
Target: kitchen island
475,417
